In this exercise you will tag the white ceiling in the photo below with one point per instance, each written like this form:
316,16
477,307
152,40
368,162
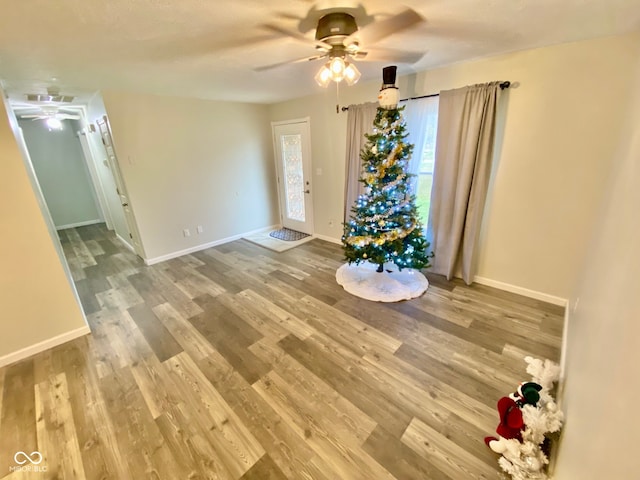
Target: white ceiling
211,48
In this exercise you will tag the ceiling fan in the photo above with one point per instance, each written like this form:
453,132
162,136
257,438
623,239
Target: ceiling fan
53,116
338,38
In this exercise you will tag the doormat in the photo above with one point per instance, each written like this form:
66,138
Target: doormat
287,235
264,240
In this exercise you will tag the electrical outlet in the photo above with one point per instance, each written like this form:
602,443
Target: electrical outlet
186,232
200,229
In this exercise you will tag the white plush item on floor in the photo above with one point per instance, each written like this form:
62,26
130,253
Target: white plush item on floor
392,285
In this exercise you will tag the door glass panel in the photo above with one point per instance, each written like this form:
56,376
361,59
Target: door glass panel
293,177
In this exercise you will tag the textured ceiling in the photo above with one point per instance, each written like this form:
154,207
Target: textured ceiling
211,48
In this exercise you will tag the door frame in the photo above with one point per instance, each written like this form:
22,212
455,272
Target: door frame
306,155
127,207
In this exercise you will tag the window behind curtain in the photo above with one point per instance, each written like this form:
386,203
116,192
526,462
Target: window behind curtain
421,116
425,170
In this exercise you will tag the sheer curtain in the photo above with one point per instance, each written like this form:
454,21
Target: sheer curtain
464,149
359,121
420,115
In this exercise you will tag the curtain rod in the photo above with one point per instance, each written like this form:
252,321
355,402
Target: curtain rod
503,85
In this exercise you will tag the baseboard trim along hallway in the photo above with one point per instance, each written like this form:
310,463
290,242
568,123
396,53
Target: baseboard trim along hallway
44,345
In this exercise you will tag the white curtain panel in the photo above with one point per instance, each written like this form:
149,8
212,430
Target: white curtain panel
419,114
464,148
359,121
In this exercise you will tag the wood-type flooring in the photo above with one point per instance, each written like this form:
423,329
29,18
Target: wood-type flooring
238,362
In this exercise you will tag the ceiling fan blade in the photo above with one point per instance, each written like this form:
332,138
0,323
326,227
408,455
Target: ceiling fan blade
359,55
35,117
392,55
66,116
378,30
280,64
297,36
199,45
287,16
287,32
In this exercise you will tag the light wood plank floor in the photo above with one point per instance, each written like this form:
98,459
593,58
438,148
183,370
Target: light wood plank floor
241,363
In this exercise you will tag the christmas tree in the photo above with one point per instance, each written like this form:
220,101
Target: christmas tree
384,226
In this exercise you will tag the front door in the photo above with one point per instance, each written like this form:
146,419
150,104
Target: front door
293,169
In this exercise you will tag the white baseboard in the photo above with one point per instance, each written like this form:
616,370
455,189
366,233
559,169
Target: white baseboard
204,246
79,224
44,345
545,297
327,238
125,243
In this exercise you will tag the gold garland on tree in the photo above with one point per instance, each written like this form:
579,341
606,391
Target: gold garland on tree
391,235
372,178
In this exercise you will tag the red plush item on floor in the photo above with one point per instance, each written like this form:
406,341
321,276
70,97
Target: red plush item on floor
511,422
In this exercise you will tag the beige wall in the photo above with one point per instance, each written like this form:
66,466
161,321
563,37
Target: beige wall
35,296
602,355
190,162
560,125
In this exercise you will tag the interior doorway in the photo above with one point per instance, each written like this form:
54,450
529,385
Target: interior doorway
292,147
82,245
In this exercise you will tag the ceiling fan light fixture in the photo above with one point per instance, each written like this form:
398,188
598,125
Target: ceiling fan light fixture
54,123
351,74
323,77
337,70
337,66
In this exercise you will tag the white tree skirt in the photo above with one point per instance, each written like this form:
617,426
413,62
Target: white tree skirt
392,285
